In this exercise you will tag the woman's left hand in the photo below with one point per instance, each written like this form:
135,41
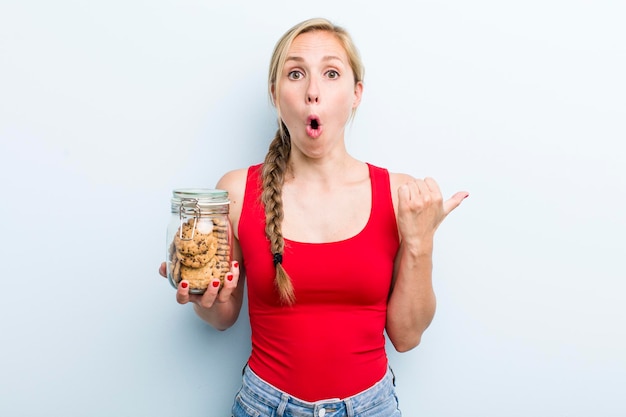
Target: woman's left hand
421,209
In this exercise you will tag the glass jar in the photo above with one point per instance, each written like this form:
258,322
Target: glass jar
199,238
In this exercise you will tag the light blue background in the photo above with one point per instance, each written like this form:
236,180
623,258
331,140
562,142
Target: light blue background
107,106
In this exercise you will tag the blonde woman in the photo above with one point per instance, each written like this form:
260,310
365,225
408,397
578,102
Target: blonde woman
335,250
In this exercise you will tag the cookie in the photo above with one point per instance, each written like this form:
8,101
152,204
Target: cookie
199,278
174,268
199,259
200,252
190,240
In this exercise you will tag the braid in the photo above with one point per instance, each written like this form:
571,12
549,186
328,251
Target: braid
273,177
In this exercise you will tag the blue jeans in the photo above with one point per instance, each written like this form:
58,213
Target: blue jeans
257,398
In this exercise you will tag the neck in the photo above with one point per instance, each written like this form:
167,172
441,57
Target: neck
328,170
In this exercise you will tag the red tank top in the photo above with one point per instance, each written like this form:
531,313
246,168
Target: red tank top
330,343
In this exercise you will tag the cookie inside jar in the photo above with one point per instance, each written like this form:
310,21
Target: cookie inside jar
200,252
198,238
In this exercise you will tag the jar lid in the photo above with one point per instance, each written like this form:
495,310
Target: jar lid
202,195
196,201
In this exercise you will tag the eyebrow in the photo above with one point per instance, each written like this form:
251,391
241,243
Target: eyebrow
325,58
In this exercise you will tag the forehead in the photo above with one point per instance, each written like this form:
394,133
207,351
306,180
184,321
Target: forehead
317,42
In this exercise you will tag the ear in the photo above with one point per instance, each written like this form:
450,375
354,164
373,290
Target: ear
358,93
273,93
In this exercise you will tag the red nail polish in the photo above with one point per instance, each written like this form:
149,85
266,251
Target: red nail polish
184,285
216,284
229,276
236,264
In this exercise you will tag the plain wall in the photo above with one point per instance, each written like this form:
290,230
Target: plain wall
105,107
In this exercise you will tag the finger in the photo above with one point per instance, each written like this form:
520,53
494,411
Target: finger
454,201
421,195
209,296
182,293
408,197
163,270
414,188
230,283
421,187
404,193
432,185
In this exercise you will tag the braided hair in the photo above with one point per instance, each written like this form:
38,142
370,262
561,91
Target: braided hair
277,157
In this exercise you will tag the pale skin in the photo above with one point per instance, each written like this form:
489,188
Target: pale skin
317,80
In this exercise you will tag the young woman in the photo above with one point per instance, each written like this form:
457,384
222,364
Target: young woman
335,250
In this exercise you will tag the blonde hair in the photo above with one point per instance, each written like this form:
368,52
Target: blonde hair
275,165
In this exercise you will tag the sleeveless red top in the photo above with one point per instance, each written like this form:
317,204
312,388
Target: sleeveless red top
330,343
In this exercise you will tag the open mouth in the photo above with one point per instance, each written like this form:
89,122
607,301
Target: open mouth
314,127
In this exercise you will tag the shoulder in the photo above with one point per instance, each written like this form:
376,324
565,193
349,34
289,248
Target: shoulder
235,183
397,179
234,176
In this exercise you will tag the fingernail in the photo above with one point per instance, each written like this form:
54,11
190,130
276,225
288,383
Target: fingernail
235,264
184,284
215,284
229,276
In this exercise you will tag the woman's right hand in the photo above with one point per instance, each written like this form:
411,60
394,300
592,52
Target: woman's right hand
213,295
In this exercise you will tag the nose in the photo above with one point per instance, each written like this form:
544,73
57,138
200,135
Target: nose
312,92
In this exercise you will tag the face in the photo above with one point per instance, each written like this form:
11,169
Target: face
317,92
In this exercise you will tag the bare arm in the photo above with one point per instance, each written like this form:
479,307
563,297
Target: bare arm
420,210
220,307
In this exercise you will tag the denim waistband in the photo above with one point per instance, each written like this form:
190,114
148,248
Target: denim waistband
271,396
